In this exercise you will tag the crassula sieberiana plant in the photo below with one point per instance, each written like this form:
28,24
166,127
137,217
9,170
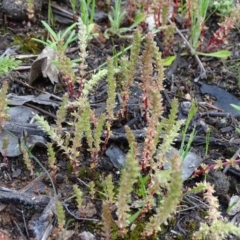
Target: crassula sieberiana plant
151,86
83,117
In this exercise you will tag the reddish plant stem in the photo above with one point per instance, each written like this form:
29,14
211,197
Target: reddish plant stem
199,172
124,110
202,35
143,23
94,156
157,17
175,9
146,106
132,8
144,211
221,34
70,90
145,158
74,166
188,21
5,158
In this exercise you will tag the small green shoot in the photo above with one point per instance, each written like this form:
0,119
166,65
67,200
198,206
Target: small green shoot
169,60
207,142
68,36
198,16
116,17
232,205
133,217
87,16
142,191
184,149
73,5
195,189
50,14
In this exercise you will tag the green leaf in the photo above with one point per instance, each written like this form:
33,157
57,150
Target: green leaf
169,60
40,41
143,181
68,30
138,19
195,189
124,29
134,216
90,27
219,54
70,39
50,30
235,106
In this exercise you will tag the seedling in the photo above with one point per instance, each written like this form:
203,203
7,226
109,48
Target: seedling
68,36
116,17
87,9
185,148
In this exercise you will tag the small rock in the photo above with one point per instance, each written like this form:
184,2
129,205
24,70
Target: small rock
189,164
59,178
185,107
220,182
116,156
234,205
86,236
18,9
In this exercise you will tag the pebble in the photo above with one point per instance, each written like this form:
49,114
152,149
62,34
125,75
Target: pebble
18,9
234,205
220,182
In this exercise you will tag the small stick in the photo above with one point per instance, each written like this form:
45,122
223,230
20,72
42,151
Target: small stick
203,71
39,90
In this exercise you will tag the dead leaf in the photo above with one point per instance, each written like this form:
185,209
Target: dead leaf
44,66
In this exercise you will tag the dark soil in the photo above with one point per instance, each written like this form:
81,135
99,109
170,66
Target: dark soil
18,218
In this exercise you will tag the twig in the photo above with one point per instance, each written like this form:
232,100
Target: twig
203,71
20,231
41,110
24,221
34,88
